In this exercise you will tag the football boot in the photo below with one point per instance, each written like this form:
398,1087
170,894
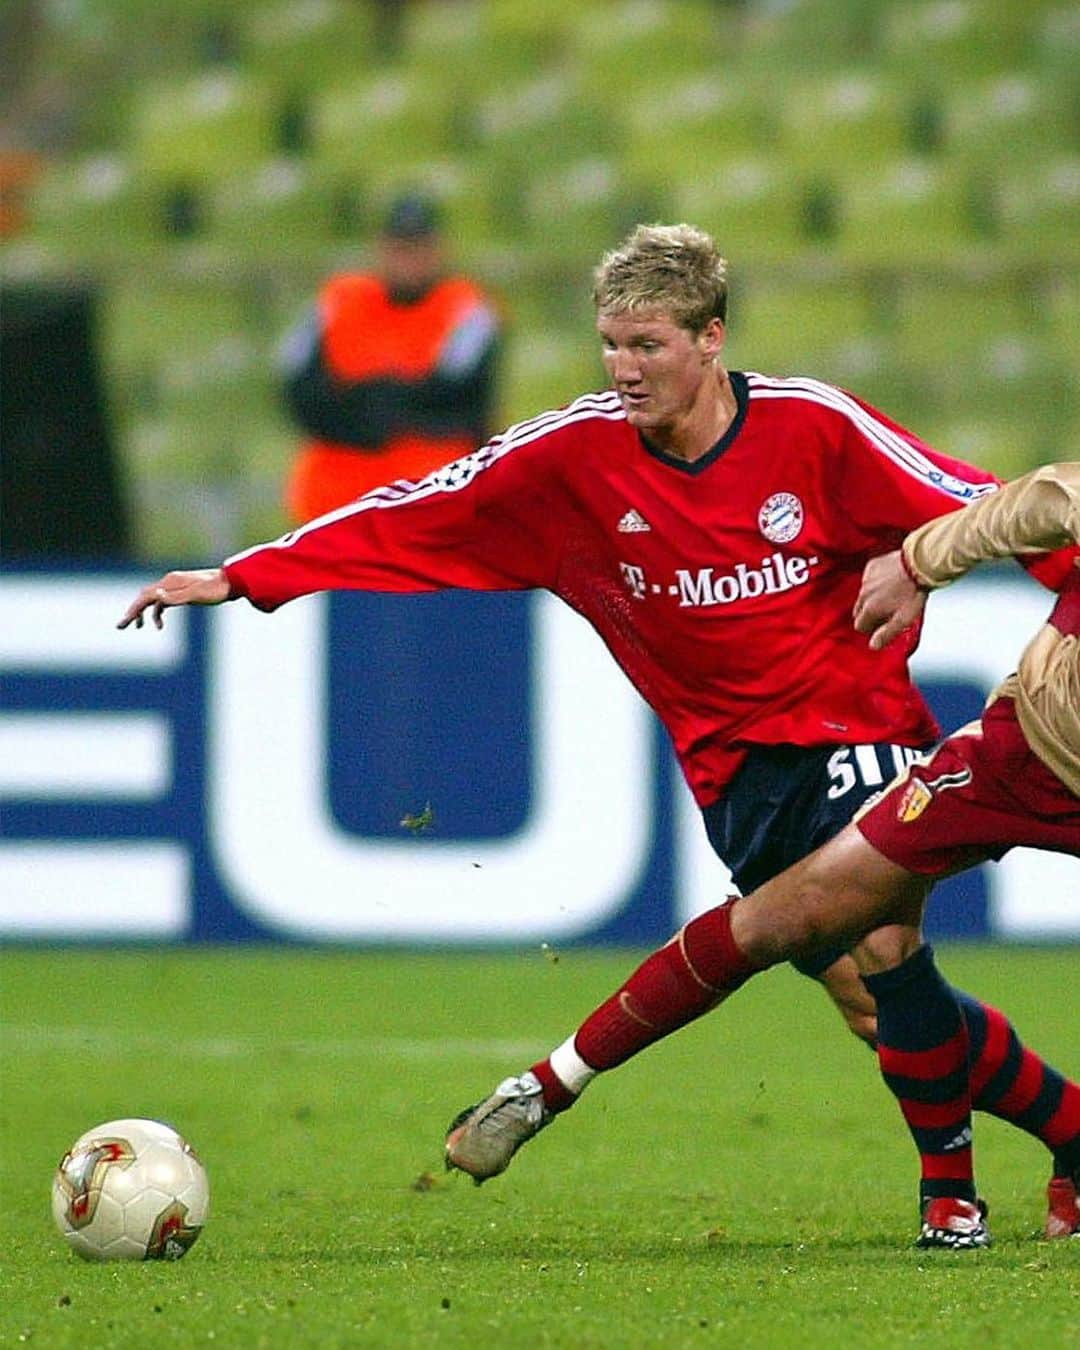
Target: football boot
959,1225
483,1138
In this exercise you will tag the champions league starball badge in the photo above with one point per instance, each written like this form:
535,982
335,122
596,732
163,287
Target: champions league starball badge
781,517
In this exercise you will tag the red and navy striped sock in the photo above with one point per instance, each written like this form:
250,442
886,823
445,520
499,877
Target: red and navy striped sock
699,967
922,1046
1013,1083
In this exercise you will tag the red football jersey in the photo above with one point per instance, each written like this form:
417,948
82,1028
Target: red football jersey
723,588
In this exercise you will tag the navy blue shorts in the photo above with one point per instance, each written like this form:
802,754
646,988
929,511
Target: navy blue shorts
786,800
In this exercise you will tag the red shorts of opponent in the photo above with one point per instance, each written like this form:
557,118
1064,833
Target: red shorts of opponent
980,793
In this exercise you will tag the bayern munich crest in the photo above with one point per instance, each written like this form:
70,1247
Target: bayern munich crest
781,517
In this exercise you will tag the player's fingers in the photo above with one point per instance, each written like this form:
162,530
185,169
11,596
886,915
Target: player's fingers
880,637
866,616
134,612
883,635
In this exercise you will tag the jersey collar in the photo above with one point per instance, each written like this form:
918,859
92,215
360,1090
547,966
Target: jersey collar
741,389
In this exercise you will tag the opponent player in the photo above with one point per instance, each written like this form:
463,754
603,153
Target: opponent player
712,527
1013,779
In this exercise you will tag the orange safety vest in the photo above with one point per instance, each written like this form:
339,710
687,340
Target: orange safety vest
366,336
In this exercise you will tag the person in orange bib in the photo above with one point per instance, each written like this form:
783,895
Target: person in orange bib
392,375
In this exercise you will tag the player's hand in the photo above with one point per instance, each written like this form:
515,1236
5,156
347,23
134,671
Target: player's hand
889,602
208,586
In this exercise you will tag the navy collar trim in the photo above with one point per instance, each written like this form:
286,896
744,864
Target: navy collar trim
740,387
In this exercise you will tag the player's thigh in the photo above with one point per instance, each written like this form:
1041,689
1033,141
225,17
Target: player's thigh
827,901
787,801
850,776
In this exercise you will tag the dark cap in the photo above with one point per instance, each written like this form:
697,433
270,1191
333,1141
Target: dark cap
412,216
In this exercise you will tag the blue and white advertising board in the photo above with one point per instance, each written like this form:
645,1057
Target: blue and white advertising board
244,776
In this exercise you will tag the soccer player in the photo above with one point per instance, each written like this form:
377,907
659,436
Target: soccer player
712,526
1012,779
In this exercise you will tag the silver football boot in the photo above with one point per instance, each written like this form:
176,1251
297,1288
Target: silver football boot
483,1138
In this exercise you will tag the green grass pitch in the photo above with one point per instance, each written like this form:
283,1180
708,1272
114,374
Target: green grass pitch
747,1182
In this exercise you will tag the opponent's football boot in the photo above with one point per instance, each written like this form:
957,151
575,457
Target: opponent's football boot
956,1224
1063,1212
483,1138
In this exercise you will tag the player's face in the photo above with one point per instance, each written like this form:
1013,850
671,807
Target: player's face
658,368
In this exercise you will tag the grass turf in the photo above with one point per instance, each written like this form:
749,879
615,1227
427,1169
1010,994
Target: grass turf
747,1182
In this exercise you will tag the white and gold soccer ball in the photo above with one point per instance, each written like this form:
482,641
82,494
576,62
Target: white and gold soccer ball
130,1190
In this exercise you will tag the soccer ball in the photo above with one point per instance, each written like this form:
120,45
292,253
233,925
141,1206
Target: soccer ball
130,1190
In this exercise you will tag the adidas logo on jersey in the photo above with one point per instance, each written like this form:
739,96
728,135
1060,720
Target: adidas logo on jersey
633,523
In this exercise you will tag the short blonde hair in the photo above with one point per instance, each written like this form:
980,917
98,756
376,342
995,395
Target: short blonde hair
674,268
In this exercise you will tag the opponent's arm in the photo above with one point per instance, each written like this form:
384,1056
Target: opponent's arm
1037,512
1034,513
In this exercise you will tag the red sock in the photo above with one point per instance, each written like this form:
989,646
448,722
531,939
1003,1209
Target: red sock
699,967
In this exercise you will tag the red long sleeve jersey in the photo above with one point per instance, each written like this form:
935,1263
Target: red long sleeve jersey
723,588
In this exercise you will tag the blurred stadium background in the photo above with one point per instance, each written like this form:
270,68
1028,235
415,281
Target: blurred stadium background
895,182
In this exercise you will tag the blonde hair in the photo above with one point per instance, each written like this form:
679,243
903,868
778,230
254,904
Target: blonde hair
674,268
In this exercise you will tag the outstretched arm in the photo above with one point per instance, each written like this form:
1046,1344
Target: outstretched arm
207,586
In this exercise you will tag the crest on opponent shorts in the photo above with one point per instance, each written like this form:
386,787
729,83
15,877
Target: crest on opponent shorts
915,799
918,795
781,517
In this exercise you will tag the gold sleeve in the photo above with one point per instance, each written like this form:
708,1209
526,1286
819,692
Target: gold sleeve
1037,512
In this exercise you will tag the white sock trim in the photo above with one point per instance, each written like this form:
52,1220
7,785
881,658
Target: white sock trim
570,1069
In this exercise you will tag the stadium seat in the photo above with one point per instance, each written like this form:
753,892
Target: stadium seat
575,211
984,349
750,204
305,47
785,326
200,129
957,40
1039,203
191,370
546,366
94,209
481,48
998,121
390,121
276,210
647,40
908,209
842,123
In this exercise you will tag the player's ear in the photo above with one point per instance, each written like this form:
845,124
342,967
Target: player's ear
711,338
